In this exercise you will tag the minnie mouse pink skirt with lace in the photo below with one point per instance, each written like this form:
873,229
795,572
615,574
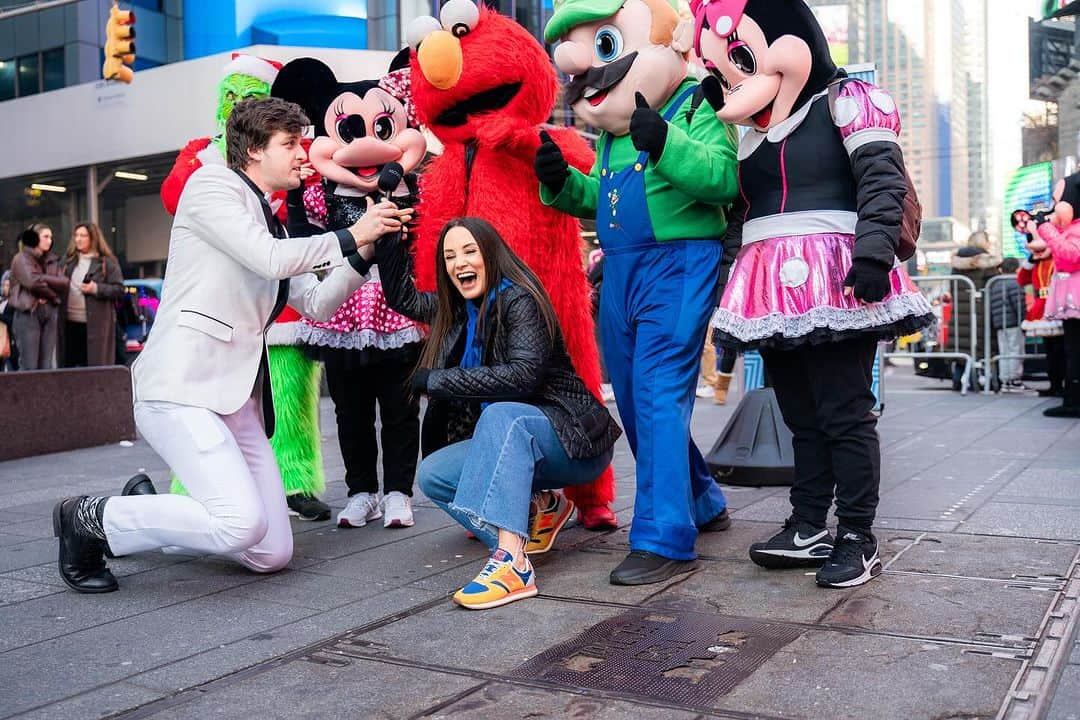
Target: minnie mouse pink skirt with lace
789,291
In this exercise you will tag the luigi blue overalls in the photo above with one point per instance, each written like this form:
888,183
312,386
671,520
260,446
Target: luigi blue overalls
655,304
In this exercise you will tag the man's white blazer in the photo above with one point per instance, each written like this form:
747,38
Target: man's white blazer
220,290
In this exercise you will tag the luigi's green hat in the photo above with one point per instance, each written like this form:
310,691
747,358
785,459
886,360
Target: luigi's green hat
571,13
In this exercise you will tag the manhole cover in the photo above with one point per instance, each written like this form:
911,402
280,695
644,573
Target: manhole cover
683,657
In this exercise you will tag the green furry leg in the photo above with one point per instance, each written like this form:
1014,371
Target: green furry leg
296,442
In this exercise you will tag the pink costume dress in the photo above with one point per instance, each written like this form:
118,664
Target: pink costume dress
1063,302
800,210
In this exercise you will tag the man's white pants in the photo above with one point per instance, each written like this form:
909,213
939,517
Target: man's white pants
237,503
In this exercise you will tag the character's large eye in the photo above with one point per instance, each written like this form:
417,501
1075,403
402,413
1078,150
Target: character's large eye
459,17
351,127
609,43
742,57
419,29
383,127
715,72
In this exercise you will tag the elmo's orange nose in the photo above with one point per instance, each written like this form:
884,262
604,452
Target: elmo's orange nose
440,59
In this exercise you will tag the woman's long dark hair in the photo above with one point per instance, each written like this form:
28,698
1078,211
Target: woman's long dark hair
500,262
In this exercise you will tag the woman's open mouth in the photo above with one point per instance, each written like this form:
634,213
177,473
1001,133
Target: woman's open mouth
467,280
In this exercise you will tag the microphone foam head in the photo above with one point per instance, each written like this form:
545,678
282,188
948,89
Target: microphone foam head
390,177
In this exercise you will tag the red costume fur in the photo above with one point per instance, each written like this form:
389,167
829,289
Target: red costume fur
503,188
187,162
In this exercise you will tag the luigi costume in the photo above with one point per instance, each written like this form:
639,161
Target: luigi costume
658,194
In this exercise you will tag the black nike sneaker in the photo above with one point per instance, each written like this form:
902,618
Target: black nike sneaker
308,507
854,560
797,545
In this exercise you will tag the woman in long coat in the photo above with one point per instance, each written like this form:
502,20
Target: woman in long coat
88,315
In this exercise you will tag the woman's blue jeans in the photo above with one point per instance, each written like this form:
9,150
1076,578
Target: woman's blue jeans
485,483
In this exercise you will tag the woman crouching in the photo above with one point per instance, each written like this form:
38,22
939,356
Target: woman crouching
507,413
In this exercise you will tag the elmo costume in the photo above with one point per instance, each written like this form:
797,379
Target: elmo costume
484,86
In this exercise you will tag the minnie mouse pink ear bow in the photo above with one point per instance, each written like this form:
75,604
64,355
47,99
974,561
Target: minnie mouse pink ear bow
723,15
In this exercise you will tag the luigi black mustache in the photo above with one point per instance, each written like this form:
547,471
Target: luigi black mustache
599,78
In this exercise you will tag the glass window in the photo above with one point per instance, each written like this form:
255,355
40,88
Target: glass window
7,79
29,75
52,67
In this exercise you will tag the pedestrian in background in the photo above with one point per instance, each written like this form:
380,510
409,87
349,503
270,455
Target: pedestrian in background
36,290
1006,313
89,308
9,351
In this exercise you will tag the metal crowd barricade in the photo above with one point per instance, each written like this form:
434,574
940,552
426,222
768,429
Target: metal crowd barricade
999,284
937,288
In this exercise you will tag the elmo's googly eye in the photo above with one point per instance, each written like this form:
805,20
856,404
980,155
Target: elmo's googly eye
419,29
459,17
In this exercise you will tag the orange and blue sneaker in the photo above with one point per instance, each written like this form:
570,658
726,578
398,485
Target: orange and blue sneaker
548,512
497,584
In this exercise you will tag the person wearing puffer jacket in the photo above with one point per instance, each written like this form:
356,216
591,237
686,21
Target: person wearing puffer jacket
976,262
1061,231
1005,303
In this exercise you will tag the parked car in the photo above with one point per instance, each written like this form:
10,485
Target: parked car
137,312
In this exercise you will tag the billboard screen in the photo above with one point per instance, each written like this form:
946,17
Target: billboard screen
1029,188
834,21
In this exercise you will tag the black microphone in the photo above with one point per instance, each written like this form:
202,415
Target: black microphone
389,179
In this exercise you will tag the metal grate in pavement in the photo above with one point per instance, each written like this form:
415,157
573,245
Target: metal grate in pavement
682,657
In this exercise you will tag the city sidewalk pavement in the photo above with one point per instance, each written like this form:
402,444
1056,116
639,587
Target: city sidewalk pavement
979,529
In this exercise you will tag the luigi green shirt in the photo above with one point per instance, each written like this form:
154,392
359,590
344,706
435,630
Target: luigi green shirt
687,191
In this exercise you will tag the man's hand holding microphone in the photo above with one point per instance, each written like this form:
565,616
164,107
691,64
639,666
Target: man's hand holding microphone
380,218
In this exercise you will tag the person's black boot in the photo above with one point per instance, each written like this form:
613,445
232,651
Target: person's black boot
1071,407
644,568
77,522
140,484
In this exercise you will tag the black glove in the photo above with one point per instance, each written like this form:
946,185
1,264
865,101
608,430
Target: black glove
714,92
870,280
550,165
418,382
647,129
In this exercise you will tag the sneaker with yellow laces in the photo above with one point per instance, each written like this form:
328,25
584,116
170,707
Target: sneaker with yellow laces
548,512
498,583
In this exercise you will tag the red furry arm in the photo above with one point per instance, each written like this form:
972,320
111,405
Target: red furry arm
186,163
576,151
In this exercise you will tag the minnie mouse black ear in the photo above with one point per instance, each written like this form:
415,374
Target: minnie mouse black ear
309,83
1071,194
401,60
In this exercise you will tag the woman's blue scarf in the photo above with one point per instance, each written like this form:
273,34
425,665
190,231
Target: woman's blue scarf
474,345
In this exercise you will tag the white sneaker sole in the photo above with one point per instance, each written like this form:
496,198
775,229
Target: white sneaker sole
398,523
519,595
343,522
